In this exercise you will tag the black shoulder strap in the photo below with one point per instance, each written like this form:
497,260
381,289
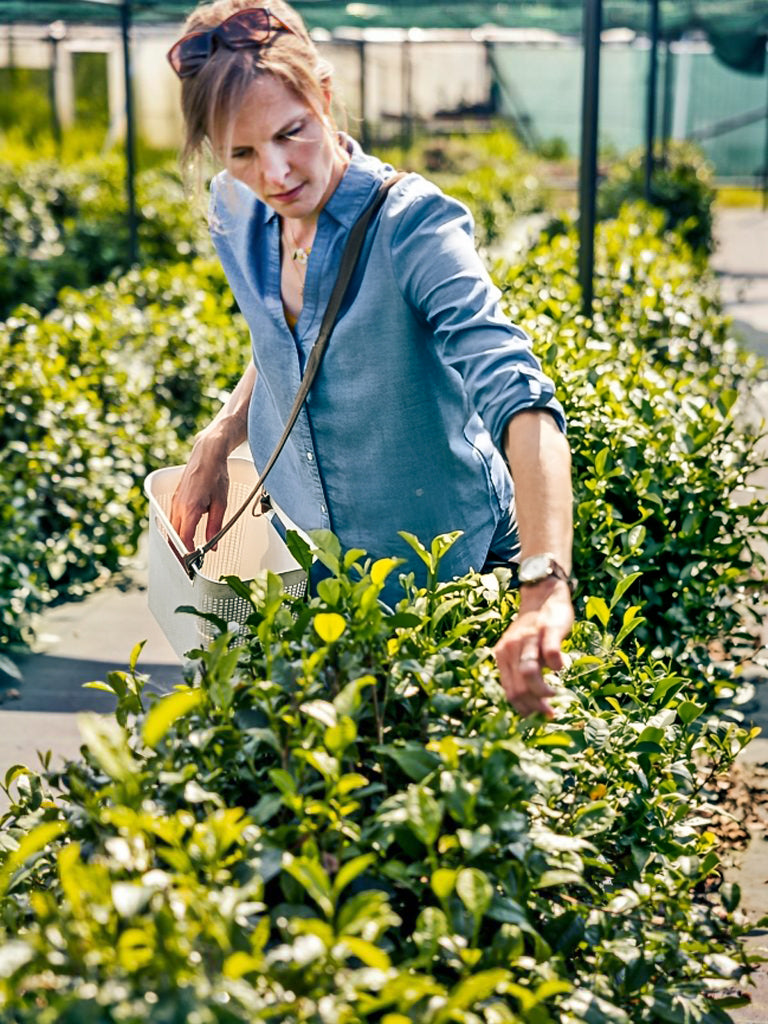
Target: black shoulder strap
349,258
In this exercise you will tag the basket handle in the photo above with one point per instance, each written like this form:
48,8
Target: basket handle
194,559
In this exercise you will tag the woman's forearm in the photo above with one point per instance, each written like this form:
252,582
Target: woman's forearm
203,487
540,463
229,428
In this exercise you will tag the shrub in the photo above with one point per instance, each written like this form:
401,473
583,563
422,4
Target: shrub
492,174
92,397
345,822
682,185
66,226
652,387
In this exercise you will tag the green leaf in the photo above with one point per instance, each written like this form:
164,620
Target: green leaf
351,870
313,879
108,743
321,710
349,698
424,815
237,965
323,763
300,550
689,711
631,621
730,896
597,609
412,759
381,569
352,557
283,781
329,626
13,773
33,842
471,991
136,654
168,710
557,877
412,541
474,891
443,883
327,549
97,685
338,737
369,954
593,818
622,587
11,669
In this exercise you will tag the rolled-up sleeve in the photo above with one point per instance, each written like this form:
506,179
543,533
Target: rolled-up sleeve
442,277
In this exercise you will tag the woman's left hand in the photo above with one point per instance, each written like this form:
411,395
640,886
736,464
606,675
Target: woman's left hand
532,644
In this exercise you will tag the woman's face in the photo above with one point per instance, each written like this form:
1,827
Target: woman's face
281,149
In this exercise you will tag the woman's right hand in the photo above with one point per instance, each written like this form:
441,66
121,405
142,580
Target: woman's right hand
203,488
204,485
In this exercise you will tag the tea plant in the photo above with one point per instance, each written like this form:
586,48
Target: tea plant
343,820
652,386
663,463
93,396
66,225
682,186
492,174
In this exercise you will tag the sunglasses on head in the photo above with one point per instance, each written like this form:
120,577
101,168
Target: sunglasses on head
251,27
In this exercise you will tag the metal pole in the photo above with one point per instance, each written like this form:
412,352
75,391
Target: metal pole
365,134
407,87
666,123
494,91
53,69
650,114
590,103
130,137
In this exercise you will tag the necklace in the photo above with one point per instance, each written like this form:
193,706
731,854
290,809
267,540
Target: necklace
298,253
298,258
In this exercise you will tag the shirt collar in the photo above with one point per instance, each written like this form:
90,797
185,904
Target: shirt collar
356,188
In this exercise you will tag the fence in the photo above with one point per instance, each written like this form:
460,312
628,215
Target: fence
395,80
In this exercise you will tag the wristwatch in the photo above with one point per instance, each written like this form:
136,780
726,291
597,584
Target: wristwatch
540,567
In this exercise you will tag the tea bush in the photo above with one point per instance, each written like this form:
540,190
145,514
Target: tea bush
66,225
682,185
106,387
652,387
492,173
344,821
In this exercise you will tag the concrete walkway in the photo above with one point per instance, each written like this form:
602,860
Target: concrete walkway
84,641
741,261
80,642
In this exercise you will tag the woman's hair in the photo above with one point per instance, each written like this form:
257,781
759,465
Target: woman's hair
213,96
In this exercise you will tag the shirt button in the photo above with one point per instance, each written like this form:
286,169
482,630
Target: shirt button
323,509
310,457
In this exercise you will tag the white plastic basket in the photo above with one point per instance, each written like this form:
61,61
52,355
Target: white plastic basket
249,547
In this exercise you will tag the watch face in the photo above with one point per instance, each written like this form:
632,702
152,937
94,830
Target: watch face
535,568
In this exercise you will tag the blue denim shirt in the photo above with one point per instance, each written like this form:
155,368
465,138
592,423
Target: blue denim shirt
404,424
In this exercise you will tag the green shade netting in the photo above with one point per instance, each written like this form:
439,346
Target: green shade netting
737,29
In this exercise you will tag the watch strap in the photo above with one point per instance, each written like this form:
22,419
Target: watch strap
553,568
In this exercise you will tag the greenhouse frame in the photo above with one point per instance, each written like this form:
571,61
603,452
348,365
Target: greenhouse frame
736,31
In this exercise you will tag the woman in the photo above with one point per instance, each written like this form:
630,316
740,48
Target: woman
428,403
